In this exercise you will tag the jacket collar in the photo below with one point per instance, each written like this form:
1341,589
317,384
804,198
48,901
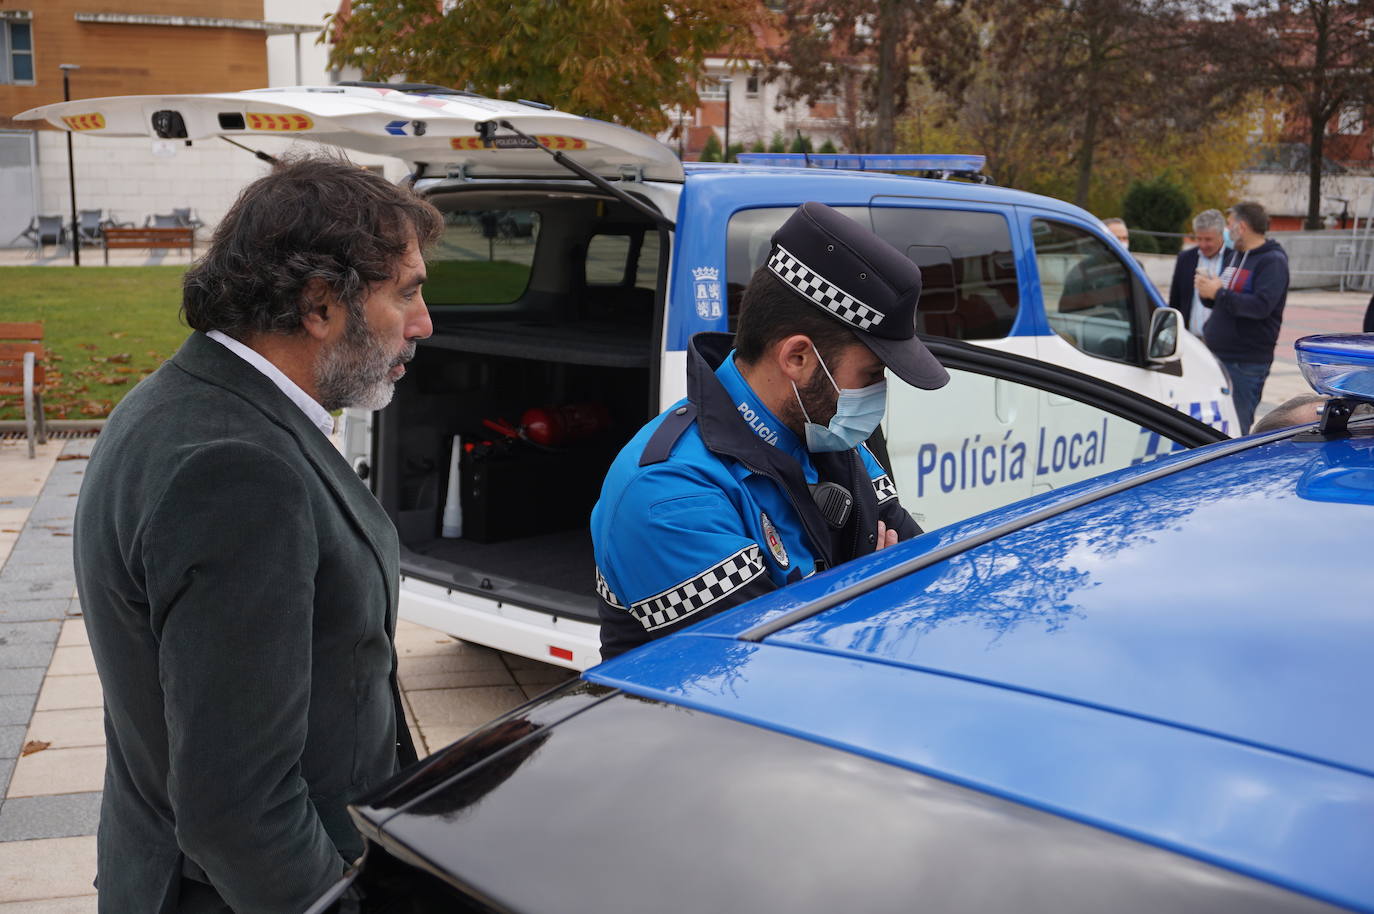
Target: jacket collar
725,433
214,364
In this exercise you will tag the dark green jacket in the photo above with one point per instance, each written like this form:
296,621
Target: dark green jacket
239,585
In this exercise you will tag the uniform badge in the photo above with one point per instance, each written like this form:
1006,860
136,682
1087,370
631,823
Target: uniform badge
773,541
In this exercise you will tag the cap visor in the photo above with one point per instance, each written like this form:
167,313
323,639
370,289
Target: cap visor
909,360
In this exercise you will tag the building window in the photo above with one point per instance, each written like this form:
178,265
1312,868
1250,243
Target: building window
712,90
751,85
1350,120
16,48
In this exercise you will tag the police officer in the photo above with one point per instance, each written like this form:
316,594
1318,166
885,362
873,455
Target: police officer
760,477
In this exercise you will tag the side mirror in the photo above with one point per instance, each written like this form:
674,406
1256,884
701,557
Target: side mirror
1163,339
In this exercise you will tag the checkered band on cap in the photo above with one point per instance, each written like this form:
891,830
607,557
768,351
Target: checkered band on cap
604,590
700,592
883,488
824,293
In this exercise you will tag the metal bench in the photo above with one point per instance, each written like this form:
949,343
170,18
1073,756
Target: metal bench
21,372
150,238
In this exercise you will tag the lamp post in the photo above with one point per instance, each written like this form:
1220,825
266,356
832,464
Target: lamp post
66,69
726,83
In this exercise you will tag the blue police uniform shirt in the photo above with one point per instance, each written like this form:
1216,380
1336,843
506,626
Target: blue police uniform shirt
682,539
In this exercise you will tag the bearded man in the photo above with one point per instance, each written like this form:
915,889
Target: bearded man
239,582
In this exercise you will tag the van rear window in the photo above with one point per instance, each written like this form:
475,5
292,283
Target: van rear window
484,257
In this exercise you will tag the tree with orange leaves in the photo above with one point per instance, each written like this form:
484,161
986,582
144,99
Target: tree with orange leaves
619,60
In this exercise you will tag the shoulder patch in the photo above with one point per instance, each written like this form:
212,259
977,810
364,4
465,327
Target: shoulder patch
884,489
773,541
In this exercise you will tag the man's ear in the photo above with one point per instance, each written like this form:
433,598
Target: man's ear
320,310
794,357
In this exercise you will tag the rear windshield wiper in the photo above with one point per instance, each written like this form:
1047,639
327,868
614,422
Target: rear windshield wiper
487,131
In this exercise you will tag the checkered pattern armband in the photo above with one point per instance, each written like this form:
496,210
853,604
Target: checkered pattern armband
604,590
824,293
707,588
884,489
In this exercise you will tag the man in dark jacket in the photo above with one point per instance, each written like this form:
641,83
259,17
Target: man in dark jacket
239,582
1247,306
1203,258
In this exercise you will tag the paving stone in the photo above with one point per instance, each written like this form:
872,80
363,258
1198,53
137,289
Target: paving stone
30,590
72,661
453,679
61,692
68,728
73,630
49,609
19,656
6,769
17,501
15,709
458,657
463,707
29,633
18,571
81,904
56,771
12,740
27,818
47,868
21,682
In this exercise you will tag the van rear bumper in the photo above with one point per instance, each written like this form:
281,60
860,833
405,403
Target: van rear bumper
557,640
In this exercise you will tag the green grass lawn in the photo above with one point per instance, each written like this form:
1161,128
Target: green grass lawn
105,328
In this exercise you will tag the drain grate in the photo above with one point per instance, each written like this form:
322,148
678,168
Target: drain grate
55,434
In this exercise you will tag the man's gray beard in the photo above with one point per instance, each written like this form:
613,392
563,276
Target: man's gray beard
356,371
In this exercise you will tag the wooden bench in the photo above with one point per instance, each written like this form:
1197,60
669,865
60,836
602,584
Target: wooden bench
21,372
150,238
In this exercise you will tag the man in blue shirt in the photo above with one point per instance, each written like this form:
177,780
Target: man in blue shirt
761,477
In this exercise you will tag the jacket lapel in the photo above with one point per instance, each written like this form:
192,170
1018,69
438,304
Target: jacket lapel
214,364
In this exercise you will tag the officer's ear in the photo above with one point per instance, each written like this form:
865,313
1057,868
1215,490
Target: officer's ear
795,357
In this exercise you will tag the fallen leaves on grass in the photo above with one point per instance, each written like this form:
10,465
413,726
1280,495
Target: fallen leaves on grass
112,380
34,745
89,347
119,358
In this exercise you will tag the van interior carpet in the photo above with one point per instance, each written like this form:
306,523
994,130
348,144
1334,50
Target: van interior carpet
562,560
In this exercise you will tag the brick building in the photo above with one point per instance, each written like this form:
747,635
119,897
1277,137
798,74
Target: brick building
140,47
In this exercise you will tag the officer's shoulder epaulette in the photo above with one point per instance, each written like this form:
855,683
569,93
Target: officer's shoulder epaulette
666,435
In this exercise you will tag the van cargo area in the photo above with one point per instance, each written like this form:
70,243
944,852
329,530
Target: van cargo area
541,380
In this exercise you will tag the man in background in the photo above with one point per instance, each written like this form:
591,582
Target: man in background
1247,306
1119,231
1203,259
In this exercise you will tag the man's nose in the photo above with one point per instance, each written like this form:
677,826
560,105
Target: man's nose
418,323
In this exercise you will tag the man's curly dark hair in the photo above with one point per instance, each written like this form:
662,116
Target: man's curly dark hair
312,218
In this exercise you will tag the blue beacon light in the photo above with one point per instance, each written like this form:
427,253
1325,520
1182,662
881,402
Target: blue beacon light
1341,366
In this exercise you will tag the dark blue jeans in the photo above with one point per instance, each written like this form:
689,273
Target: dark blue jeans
1247,384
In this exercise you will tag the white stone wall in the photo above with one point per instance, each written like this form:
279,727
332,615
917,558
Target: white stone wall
124,177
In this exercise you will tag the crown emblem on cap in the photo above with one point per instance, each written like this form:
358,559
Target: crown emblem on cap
703,274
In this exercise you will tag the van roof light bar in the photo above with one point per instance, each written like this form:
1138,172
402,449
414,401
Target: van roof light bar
929,166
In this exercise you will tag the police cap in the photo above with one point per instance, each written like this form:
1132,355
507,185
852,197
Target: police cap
857,277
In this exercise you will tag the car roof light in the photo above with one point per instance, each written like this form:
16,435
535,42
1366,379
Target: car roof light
1339,364
964,166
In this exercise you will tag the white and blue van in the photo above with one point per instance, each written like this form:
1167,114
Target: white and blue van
580,257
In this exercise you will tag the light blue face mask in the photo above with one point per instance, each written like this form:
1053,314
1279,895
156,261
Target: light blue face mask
1226,241
857,414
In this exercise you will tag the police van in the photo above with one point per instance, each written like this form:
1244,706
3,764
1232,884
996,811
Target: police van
579,258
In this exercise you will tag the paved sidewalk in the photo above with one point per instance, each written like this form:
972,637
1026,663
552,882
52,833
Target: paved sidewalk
50,694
